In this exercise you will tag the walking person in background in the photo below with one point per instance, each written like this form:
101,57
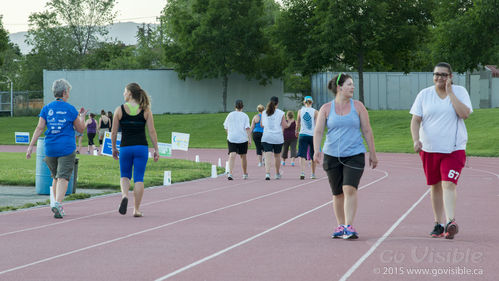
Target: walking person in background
257,132
133,117
238,137
305,126
346,121
79,138
289,139
61,120
273,123
91,126
110,116
103,126
439,135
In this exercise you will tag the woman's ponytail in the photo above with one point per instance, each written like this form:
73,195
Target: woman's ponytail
272,105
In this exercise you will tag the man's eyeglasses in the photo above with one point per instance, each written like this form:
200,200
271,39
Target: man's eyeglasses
443,75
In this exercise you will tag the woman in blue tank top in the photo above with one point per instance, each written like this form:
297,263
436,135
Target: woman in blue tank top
346,121
133,117
257,132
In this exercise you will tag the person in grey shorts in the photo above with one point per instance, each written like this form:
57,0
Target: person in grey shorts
61,120
347,121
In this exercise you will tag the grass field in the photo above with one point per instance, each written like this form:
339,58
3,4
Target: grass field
102,172
391,130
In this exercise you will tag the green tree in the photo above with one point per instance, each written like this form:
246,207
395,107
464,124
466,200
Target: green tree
150,51
214,38
63,35
9,55
466,34
358,35
372,33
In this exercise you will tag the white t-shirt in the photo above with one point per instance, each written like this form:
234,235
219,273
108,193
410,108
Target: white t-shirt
307,122
441,129
236,124
272,129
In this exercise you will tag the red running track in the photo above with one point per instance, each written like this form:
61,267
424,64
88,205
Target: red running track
215,229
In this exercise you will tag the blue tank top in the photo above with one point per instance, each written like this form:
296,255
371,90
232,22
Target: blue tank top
343,138
258,125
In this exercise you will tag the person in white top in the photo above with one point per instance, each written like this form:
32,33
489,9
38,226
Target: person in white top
305,125
238,137
439,136
273,123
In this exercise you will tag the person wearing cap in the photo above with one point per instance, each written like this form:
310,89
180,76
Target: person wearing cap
238,137
305,125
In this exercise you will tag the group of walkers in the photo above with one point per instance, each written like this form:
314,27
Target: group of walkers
95,127
274,134
437,127
62,121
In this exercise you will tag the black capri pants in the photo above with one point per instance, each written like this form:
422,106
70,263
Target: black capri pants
91,137
257,140
343,171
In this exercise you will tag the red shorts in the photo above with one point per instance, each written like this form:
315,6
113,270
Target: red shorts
443,166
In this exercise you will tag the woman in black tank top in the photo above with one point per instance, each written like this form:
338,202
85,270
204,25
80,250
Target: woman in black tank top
133,117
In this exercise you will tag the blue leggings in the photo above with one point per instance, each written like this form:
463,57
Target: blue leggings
136,156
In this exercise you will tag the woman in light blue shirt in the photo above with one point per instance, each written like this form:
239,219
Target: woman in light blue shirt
346,120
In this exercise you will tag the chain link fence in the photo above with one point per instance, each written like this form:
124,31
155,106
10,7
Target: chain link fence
25,103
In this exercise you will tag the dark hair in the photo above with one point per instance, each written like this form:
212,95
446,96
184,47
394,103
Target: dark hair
337,80
290,114
446,65
92,115
109,114
102,112
139,95
271,105
239,104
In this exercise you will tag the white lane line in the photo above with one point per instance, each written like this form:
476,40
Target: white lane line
19,211
113,211
157,227
214,255
381,239
484,171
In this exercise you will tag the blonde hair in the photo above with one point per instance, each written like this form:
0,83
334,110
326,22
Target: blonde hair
290,114
260,108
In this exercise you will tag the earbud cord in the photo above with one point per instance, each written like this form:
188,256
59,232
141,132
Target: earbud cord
339,140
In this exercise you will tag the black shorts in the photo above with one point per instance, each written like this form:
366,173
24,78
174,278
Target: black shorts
239,148
269,147
343,171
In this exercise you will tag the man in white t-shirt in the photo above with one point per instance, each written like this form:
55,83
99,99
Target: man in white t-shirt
439,136
238,137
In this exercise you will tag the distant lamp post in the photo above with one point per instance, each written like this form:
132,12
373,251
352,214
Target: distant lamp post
11,95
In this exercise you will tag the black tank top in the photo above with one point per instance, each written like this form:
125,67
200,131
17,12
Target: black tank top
133,130
105,126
